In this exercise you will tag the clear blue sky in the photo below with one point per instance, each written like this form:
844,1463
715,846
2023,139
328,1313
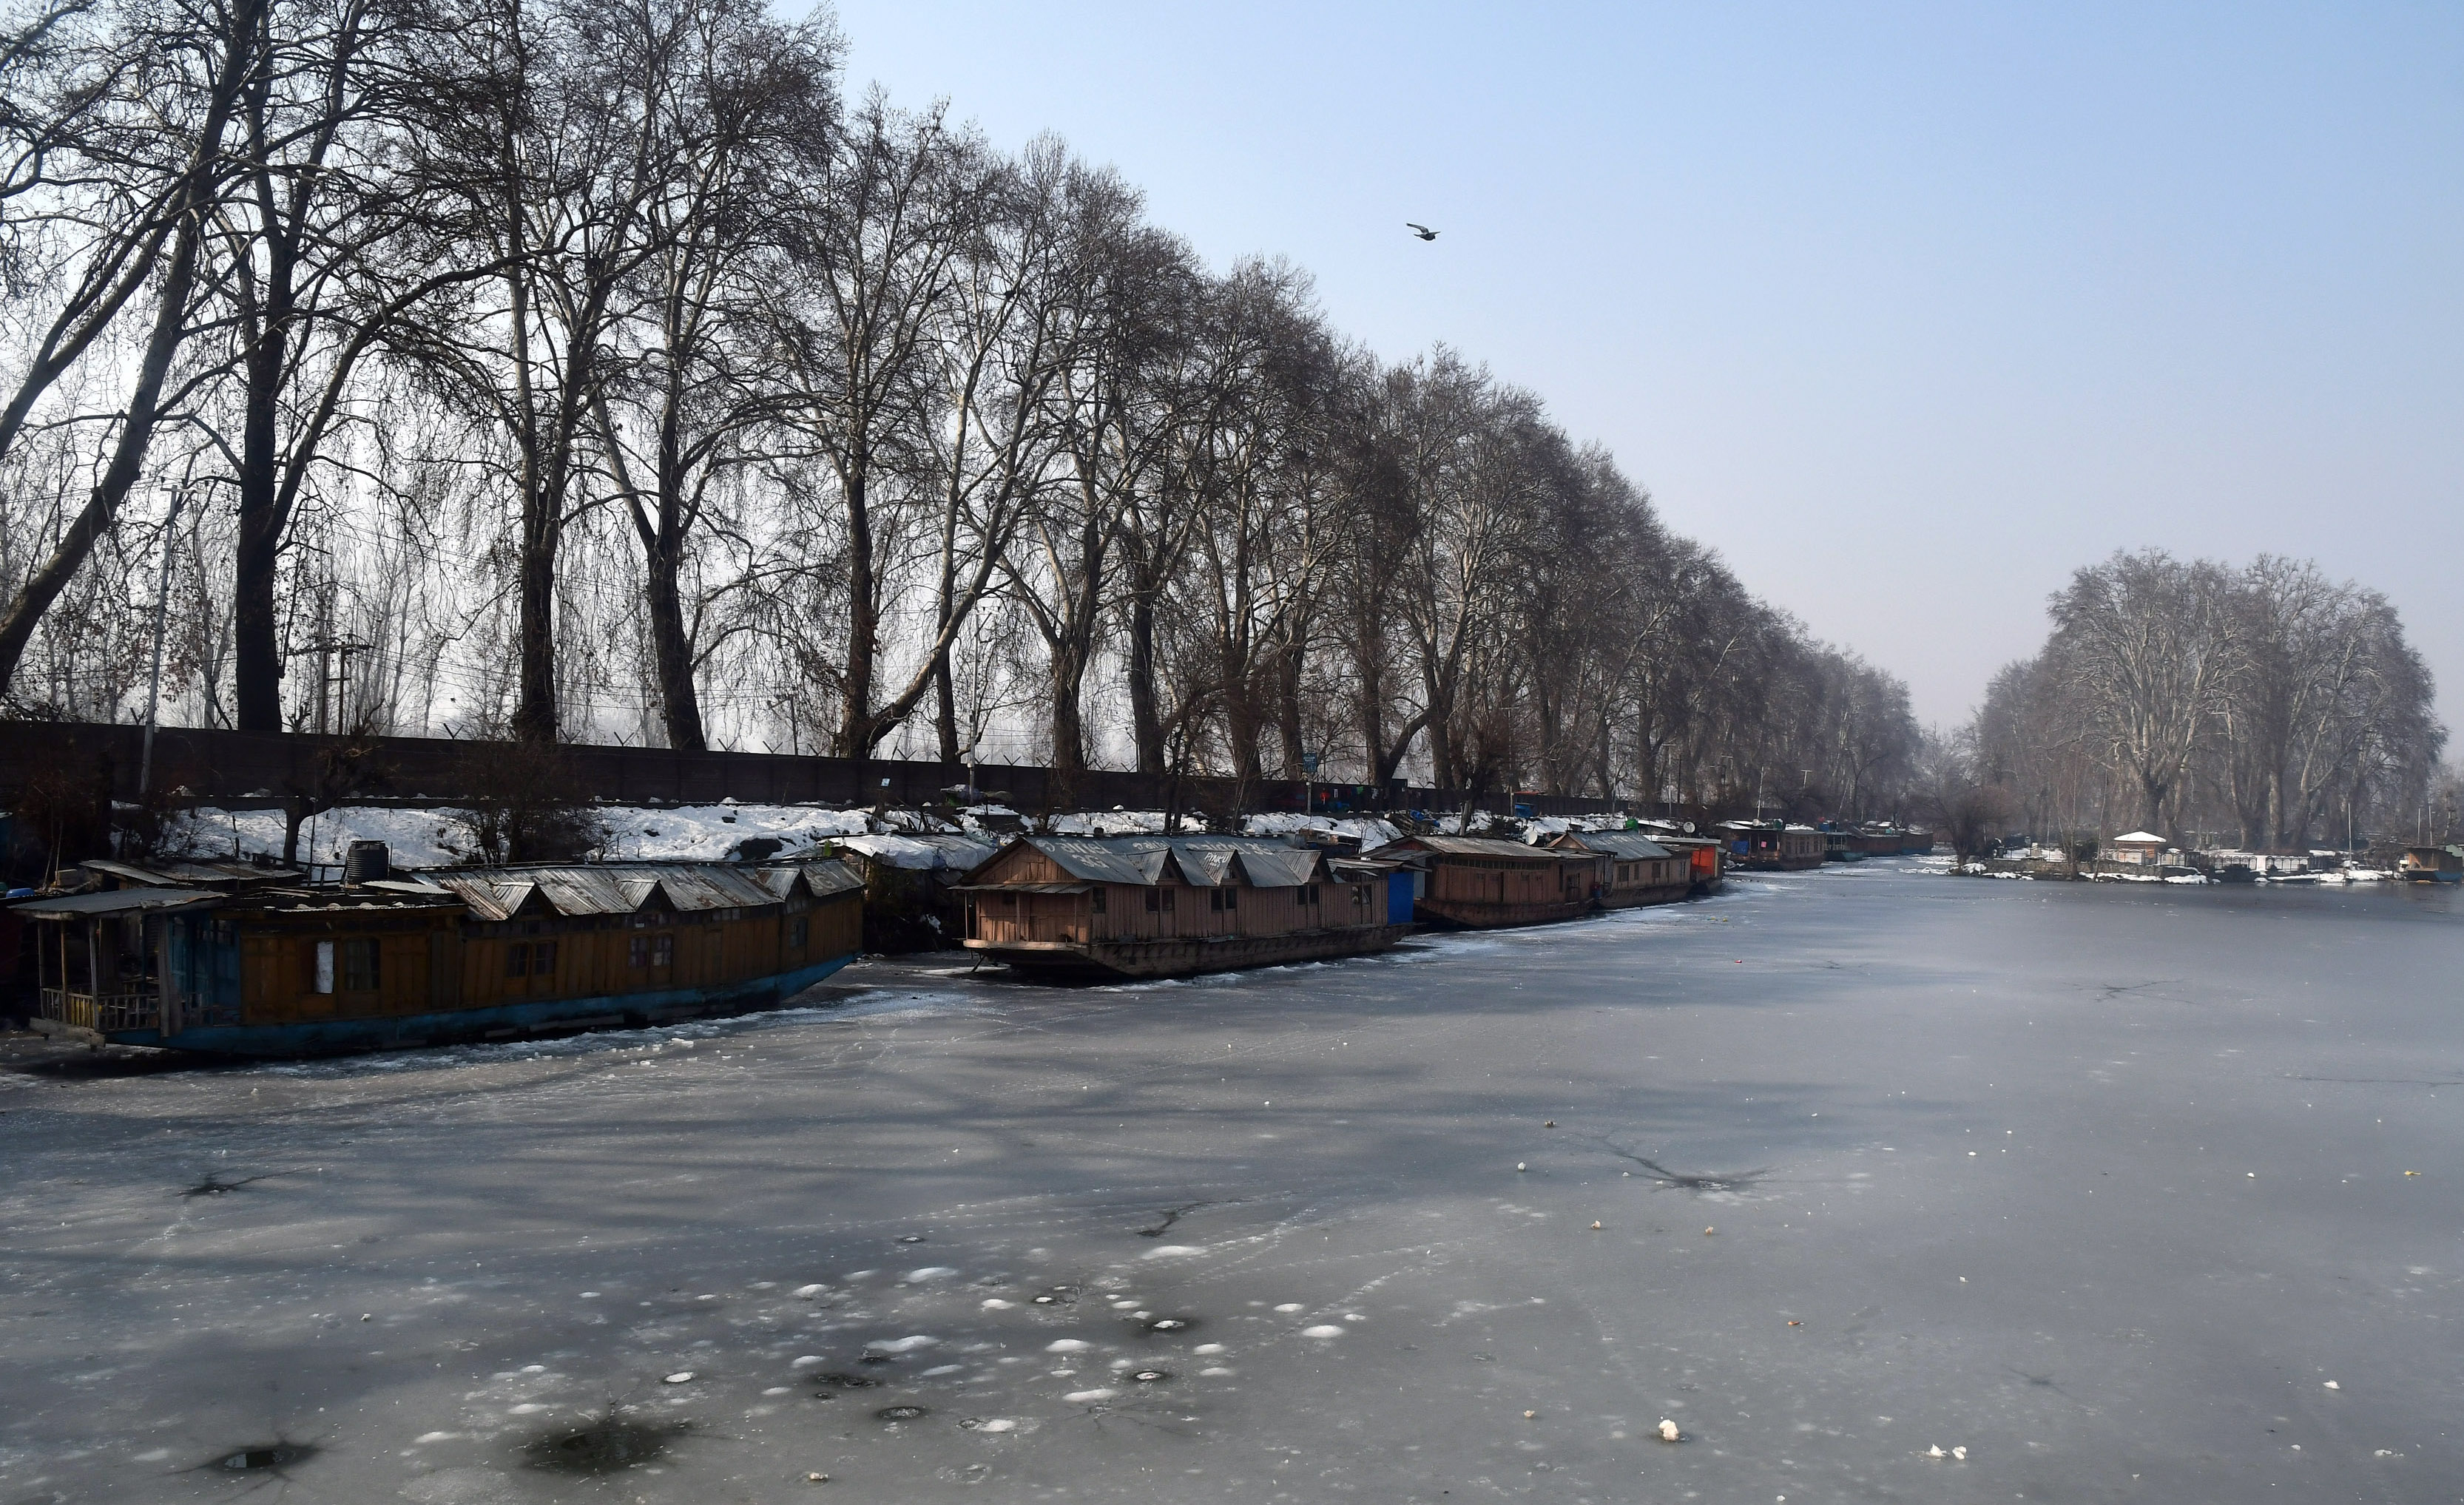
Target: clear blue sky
1908,310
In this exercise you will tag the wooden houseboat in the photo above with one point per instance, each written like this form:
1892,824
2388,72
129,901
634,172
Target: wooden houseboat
474,955
1705,855
1768,845
2432,864
1641,870
1482,883
1169,907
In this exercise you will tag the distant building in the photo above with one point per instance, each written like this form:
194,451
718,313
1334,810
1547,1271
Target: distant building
2144,847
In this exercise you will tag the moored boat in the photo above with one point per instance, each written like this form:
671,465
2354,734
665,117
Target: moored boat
1771,845
470,954
1641,869
1482,883
1169,906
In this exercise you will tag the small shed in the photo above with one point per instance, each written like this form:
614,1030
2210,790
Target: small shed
2145,847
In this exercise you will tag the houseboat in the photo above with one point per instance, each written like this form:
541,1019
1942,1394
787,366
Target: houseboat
1641,870
1169,907
2432,864
1481,883
1771,845
1704,855
471,954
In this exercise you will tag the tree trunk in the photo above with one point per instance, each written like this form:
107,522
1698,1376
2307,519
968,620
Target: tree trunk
1146,717
864,621
671,648
945,709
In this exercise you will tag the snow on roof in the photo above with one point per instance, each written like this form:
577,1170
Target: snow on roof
922,853
2140,838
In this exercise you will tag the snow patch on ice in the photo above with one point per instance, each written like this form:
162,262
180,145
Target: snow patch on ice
1172,1251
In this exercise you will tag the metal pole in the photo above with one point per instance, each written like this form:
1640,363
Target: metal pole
154,680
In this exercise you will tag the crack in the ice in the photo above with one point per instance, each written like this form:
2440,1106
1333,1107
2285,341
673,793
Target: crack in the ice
1732,1181
214,1186
1171,1217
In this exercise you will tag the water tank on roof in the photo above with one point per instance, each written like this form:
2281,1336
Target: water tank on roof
366,862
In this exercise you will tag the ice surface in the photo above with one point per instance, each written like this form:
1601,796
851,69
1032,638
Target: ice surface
2101,1291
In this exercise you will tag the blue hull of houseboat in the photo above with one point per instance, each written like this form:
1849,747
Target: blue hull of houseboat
505,1021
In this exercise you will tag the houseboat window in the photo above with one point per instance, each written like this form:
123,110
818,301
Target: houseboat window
1309,893
360,967
518,959
1231,898
322,970
638,953
663,950
543,959
1167,901
1095,899
1155,900
798,931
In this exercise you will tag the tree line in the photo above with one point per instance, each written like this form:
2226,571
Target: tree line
2269,706
552,369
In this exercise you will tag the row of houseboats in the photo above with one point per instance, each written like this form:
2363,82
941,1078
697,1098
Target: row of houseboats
237,960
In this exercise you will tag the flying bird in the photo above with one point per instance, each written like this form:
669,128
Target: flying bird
1421,231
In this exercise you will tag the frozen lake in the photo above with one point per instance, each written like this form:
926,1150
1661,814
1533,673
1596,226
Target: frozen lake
2106,1185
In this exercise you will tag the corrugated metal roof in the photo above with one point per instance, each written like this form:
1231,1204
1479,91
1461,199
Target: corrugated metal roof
1476,846
921,852
1097,860
820,879
583,890
1203,861
120,900
1286,867
1624,845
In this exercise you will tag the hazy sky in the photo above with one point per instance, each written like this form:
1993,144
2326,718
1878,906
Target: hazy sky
1908,310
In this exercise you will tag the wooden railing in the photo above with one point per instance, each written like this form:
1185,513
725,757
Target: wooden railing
103,1012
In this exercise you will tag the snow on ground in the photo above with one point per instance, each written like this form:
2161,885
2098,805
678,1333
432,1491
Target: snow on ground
1109,823
711,833
1369,831
414,838
435,838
